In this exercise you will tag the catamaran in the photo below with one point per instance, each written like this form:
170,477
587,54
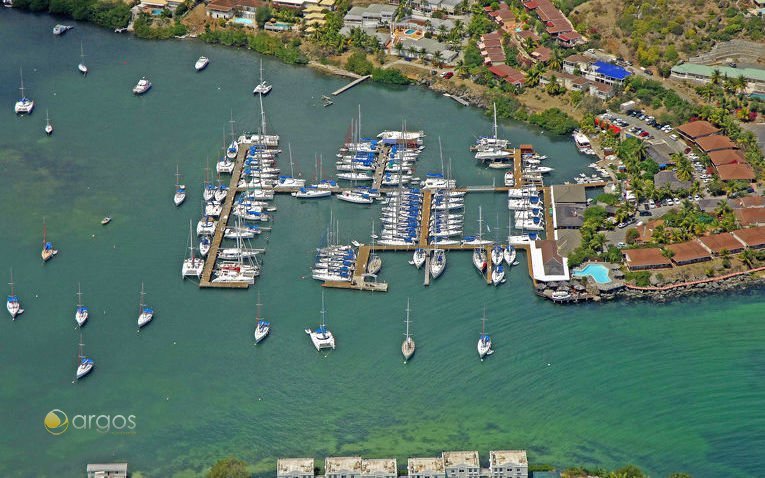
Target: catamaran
47,251
48,126
81,313
192,266
322,338
180,189
12,303
82,67
407,347
145,313
85,364
201,63
263,87
484,341
24,105
142,86
263,327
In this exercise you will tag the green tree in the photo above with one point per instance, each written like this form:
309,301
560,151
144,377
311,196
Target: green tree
263,15
229,468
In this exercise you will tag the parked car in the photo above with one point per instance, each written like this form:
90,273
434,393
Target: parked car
621,245
446,75
645,213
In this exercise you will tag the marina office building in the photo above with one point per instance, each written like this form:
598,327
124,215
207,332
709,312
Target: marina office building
451,464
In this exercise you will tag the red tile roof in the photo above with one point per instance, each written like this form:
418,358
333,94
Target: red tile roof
752,237
715,142
569,36
690,251
726,156
721,242
542,53
750,216
731,172
697,129
651,257
511,75
751,201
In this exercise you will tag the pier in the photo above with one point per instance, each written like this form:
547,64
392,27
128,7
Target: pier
358,280
220,229
351,85
458,99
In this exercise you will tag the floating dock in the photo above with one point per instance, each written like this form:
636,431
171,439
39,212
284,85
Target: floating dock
212,254
351,85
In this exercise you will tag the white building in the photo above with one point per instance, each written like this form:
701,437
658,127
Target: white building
379,468
342,467
461,464
426,468
508,464
295,468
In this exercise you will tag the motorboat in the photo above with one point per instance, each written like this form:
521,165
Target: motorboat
106,220
24,105
61,29
12,303
201,63
322,338
204,245
142,86
437,263
408,346
85,364
81,312
145,313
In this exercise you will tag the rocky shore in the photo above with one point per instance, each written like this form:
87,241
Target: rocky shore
737,284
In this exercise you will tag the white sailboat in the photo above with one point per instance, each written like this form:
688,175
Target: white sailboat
497,274
85,365
374,264
24,105
12,303
419,256
48,126
437,263
192,266
81,313
48,251
322,338
263,87
82,67
484,341
408,346
180,189
145,313
263,327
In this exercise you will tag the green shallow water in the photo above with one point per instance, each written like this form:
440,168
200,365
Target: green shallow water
668,387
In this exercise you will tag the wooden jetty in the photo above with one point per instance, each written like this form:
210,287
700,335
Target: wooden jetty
212,254
351,85
458,99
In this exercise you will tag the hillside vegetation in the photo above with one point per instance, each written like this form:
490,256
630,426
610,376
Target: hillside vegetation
661,32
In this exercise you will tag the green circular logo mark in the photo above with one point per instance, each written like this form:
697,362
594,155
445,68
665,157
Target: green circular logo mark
56,422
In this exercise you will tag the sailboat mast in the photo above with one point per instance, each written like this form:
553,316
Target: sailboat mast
257,311
11,282
480,223
495,122
359,124
44,231
80,354
407,319
262,120
79,295
289,148
21,75
191,244
323,311
140,306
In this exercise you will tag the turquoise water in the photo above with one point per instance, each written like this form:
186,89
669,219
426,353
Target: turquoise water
410,32
669,387
759,96
156,12
599,272
243,21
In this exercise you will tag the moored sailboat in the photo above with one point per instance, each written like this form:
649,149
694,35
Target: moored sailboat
322,338
85,364
484,341
192,266
145,313
24,105
81,313
262,327
12,303
47,251
48,126
82,67
408,346
180,189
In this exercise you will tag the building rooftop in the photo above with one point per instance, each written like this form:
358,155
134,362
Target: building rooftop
651,257
542,53
419,465
645,230
380,8
749,201
752,237
726,156
334,464
507,457
378,466
108,467
750,216
456,458
294,465
611,71
755,74
731,172
715,142
669,178
572,193
546,262
720,242
688,251
567,240
577,58
569,215
697,129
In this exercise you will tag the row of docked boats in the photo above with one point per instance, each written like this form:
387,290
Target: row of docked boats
528,208
400,217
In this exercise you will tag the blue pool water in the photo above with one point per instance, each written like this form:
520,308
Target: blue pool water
410,32
243,21
759,96
599,272
156,12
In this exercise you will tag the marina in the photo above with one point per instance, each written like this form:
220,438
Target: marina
203,340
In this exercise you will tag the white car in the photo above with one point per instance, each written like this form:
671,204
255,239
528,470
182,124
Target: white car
651,204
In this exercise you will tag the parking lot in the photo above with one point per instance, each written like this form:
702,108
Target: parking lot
638,124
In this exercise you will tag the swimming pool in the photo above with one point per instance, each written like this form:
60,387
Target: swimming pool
156,12
758,96
410,32
599,272
243,21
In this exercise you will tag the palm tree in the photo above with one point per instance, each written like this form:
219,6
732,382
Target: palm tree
398,47
748,257
556,60
715,78
683,167
741,83
459,26
532,76
441,31
528,44
723,208
438,58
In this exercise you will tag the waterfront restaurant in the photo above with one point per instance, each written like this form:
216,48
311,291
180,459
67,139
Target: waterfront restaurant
642,259
689,252
547,265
